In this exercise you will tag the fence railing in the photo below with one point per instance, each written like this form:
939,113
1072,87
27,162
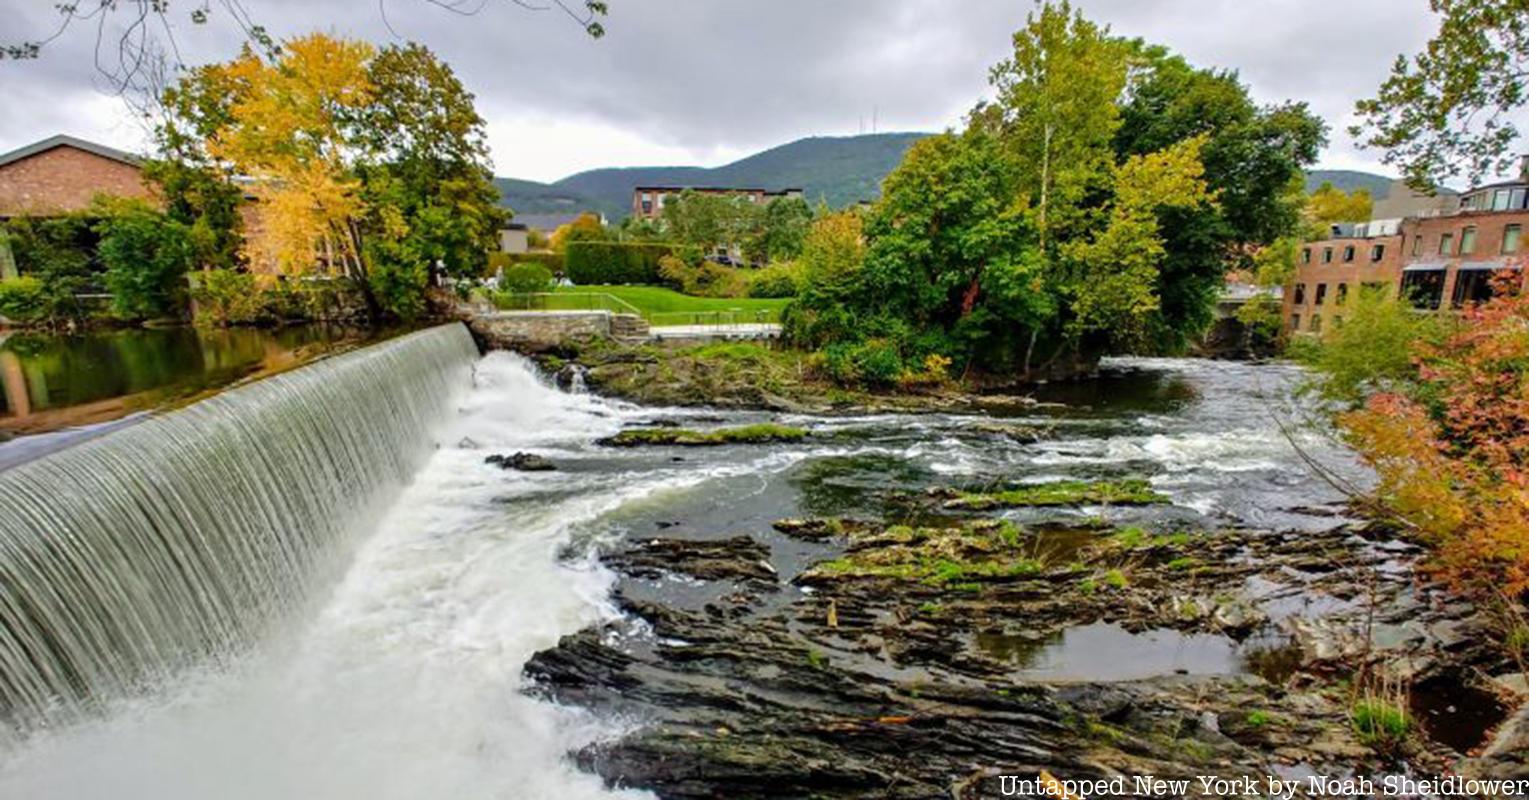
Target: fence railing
564,301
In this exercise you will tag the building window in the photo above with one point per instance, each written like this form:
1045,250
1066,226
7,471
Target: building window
1417,245
1472,286
1510,236
1423,288
1295,322
1348,254
1517,202
1321,295
1342,294
1501,199
1377,252
1316,323
1447,244
1327,255
1306,255
1468,240
1300,294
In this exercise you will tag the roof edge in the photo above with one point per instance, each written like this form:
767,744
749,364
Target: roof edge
65,140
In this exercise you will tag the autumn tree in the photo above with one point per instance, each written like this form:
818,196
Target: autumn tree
365,164
1448,111
585,227
1329,205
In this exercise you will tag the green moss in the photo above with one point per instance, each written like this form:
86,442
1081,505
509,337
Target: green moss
817,660
1062,493
1380,724
931,609
762,433
1131,537
1116,579
1258,719
1088,586
1182,563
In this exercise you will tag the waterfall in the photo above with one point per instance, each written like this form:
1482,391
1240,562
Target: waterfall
181,539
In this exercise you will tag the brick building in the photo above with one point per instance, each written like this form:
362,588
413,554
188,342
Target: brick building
1442,260
648,201
63,174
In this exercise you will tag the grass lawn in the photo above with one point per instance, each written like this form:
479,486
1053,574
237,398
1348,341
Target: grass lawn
663,306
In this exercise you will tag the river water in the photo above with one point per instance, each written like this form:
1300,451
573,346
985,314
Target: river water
403,679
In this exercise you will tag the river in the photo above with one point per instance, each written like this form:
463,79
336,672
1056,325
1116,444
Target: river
403,676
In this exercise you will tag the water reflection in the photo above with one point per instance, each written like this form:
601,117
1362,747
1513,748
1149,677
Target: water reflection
48,383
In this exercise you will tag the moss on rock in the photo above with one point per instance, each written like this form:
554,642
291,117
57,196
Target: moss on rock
763,433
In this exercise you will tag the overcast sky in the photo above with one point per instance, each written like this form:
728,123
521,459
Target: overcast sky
708,81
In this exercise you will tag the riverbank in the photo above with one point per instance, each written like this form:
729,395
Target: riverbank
1185,604
754,375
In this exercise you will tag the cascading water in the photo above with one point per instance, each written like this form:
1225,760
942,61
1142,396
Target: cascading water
125,559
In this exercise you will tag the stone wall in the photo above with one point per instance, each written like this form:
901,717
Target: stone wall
65,179
540,331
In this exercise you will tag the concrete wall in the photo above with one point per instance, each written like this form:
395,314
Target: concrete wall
65,179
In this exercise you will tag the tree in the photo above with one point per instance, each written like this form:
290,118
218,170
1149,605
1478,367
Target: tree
1058,109
1116,271
1329,205
786,222
1254,158
1449,440
1446,111
146,255
833,263
708,220
365,164
427,183
585,227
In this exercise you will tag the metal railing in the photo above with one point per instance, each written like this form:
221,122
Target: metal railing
563,301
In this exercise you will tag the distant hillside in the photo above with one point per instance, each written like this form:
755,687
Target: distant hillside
1348,180
837,170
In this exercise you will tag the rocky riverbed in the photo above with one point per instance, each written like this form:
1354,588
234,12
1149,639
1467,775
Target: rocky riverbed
1132,577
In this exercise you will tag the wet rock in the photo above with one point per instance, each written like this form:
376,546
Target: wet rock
571,377
1020,434
737,559
467,443
897,668
764,433
521,462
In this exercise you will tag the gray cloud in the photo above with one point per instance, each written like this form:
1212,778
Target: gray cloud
704,79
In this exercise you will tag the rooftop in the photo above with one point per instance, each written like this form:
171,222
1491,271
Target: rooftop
64,140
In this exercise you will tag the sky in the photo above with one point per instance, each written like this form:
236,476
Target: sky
706,82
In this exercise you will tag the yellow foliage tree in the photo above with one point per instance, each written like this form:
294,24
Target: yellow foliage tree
585,227
286,130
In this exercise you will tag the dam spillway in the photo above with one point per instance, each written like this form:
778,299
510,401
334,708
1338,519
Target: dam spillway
178,539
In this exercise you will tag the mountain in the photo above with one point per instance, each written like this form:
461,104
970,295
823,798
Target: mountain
1348,180
837,170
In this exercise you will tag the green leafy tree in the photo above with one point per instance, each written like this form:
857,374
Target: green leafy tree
146,255
1448,110
1254,159
432,165
1058,110
786,222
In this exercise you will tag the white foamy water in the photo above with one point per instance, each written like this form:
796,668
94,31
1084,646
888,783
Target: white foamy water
404,681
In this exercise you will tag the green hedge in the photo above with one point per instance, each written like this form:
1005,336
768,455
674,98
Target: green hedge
591,263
